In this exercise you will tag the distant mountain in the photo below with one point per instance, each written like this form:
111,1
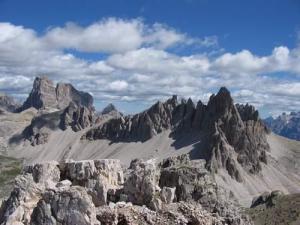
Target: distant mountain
44,95
109,108
8,103
287,125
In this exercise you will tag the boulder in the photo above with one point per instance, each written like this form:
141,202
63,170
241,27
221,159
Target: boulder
68,207
141,182
167,194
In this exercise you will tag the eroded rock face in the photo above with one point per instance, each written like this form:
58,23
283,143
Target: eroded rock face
140,127
68,207
77,117
44,95
81,192
141,183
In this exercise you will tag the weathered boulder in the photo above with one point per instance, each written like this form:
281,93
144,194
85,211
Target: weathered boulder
44,172
141,182
167,194
68,207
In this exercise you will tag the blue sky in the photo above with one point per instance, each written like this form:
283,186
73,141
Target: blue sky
186,47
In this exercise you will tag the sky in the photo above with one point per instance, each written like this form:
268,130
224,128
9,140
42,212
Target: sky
133,53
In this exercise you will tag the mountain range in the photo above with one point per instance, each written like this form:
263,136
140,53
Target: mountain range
287,125
227,143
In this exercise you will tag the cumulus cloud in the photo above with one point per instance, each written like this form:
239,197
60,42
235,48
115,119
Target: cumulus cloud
140,67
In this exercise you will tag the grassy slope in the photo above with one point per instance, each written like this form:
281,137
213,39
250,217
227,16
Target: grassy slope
9,169
286,211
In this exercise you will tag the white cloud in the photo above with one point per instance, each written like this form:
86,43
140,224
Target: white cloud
118,85
109,35
140,67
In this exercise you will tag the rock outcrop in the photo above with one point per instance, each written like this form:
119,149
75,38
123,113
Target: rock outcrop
94,192
77,117
230,134
8,103
140,127
267,199
286,125
74,116
44,95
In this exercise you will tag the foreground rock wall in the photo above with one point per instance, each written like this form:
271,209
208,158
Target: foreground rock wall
179,191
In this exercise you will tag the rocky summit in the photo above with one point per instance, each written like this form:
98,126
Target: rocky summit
44,95
230,134
101,192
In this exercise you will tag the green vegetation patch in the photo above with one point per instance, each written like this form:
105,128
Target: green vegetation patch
9,169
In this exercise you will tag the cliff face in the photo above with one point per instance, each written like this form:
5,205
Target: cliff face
230,134
45,95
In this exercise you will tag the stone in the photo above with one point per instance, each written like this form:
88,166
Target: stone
63,185
98,190
155,204
167,194
140,184
68,207
44,172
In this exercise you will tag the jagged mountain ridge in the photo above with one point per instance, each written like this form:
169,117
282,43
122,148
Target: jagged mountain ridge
45,95
287,125
231,139
226,130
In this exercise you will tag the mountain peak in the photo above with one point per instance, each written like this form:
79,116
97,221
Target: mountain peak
44,95
109,108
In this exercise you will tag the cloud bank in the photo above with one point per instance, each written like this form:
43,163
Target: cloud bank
135,62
